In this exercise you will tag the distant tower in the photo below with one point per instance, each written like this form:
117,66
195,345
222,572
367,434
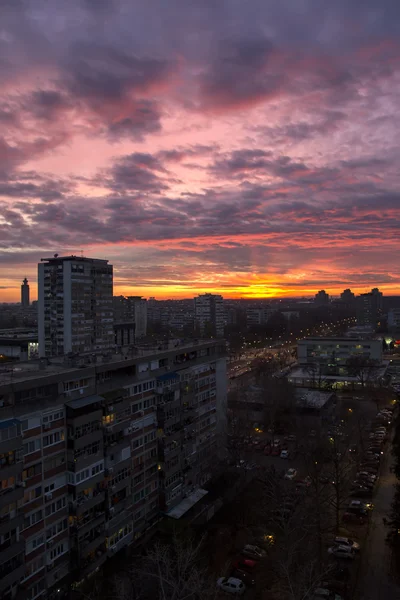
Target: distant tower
25,293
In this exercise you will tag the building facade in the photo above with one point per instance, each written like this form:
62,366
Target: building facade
337,350
209,315
75,312
95,450
321,298
369,308
131,309
25,294
258,315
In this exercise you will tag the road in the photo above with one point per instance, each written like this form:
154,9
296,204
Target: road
374,581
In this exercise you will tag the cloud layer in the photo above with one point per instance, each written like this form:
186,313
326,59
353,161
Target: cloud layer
247,148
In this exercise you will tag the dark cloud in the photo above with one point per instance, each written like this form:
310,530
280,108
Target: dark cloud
270,135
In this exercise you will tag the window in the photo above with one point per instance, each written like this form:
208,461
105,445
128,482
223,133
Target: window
86,429
149,437
137,443
8,483
55,506
30,495
33,518
53,417
119,535
35,590
86,473
31,447
34,566
35,543
53,438
75,385
58,550
56,528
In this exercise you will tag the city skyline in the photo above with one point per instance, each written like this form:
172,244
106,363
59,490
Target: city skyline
249,152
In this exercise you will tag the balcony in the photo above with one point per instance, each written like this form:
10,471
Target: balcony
11,521
11,575
92,563
10,548
92,521
119,485
11,494
12,469
84,503
87,546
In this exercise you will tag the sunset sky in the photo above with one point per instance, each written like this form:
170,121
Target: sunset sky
249,148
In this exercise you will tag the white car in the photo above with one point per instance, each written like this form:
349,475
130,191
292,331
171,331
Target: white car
253,552
344,541
285,454
231,585
290,474
339,551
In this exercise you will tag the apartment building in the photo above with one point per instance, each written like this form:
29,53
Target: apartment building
209,314
258,315
131,309
75,312
95,450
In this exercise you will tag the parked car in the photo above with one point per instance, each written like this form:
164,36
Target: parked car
291,437
339,551
361,491
247,578
244,564
231,585
325,594
267,450
345,541
355,518
253,552
290,474
373,469
277,443
285,454
338,587
276,451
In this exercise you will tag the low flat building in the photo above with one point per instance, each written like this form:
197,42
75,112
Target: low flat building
337,350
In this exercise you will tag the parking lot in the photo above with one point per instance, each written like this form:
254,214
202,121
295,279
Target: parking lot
359,436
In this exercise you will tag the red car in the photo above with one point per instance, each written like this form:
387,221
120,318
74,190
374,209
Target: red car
276,451
267,450
244,563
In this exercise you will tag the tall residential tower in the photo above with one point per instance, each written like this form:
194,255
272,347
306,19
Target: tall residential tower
209,315
75,312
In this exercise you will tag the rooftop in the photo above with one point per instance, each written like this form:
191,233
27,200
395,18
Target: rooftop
13,372
312,398
347,340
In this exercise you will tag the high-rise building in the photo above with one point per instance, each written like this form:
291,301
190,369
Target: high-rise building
321,298
347,298
75,312
131,309
209,315
96,450
369,308
25,293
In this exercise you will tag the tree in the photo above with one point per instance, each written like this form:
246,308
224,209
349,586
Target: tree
365,369
173,571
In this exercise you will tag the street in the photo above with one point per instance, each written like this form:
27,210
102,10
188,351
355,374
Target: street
374,581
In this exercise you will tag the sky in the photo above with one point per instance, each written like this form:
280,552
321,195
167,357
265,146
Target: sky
243,148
